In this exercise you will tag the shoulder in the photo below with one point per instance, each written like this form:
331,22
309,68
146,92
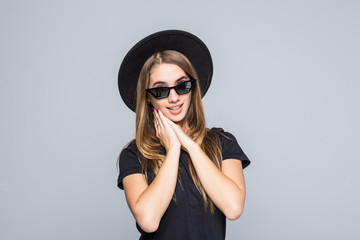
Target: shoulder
230,148
130,147
129,153
223,135
129,162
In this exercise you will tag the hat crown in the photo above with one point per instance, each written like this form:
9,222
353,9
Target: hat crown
184,42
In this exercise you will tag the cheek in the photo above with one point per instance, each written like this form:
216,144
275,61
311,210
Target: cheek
188,98
155,103
152,103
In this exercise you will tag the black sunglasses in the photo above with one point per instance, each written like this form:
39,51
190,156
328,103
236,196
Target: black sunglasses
163,92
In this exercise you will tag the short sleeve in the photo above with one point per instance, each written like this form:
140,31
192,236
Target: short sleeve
230,148
128,163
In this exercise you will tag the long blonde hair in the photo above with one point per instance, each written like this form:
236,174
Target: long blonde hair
146,141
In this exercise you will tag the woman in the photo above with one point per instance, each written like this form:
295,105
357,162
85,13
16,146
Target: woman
180,179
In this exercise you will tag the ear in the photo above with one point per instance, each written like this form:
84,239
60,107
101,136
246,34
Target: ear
149,102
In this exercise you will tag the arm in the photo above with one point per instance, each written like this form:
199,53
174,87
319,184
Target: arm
148,203
225,187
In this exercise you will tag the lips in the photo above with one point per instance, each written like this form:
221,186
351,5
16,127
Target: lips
175,109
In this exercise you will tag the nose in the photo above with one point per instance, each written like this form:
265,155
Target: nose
173,96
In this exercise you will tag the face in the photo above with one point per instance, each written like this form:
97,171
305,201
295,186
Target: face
175,106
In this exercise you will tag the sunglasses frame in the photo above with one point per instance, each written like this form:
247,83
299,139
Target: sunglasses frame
192,81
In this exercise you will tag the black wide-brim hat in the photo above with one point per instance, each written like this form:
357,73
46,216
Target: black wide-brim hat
184,42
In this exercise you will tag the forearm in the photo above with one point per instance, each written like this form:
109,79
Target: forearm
228,196
155,199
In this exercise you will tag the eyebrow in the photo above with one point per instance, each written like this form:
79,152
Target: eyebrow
176,82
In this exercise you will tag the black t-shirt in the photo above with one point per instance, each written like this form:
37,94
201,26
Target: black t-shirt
185,217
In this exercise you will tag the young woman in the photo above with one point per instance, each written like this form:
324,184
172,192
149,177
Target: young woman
181,180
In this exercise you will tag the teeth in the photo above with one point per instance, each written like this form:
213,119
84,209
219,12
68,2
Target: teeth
175,108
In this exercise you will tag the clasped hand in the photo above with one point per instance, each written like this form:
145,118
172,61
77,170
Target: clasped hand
170,134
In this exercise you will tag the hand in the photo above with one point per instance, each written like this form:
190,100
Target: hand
184,139
165,132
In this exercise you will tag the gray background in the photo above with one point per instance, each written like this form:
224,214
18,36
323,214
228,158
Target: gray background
286,84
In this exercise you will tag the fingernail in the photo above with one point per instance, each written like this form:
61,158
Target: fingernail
157,110
152,109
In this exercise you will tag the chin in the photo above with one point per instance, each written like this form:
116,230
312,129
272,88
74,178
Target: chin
175,118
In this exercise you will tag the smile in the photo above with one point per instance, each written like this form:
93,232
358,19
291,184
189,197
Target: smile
174,108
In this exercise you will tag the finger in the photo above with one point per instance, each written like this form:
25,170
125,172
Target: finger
157,129
163,118
171,124
156,121
157,126
156,116
176,128
169,121
159,120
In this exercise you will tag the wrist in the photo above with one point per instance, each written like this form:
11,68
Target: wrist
173,149
191,146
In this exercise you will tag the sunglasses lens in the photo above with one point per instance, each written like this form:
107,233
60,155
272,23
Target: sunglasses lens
163,92
184,87
160,92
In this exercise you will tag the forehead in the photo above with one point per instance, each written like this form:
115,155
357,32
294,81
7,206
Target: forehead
166,73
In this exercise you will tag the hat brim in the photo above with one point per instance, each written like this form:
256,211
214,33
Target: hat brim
186,43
